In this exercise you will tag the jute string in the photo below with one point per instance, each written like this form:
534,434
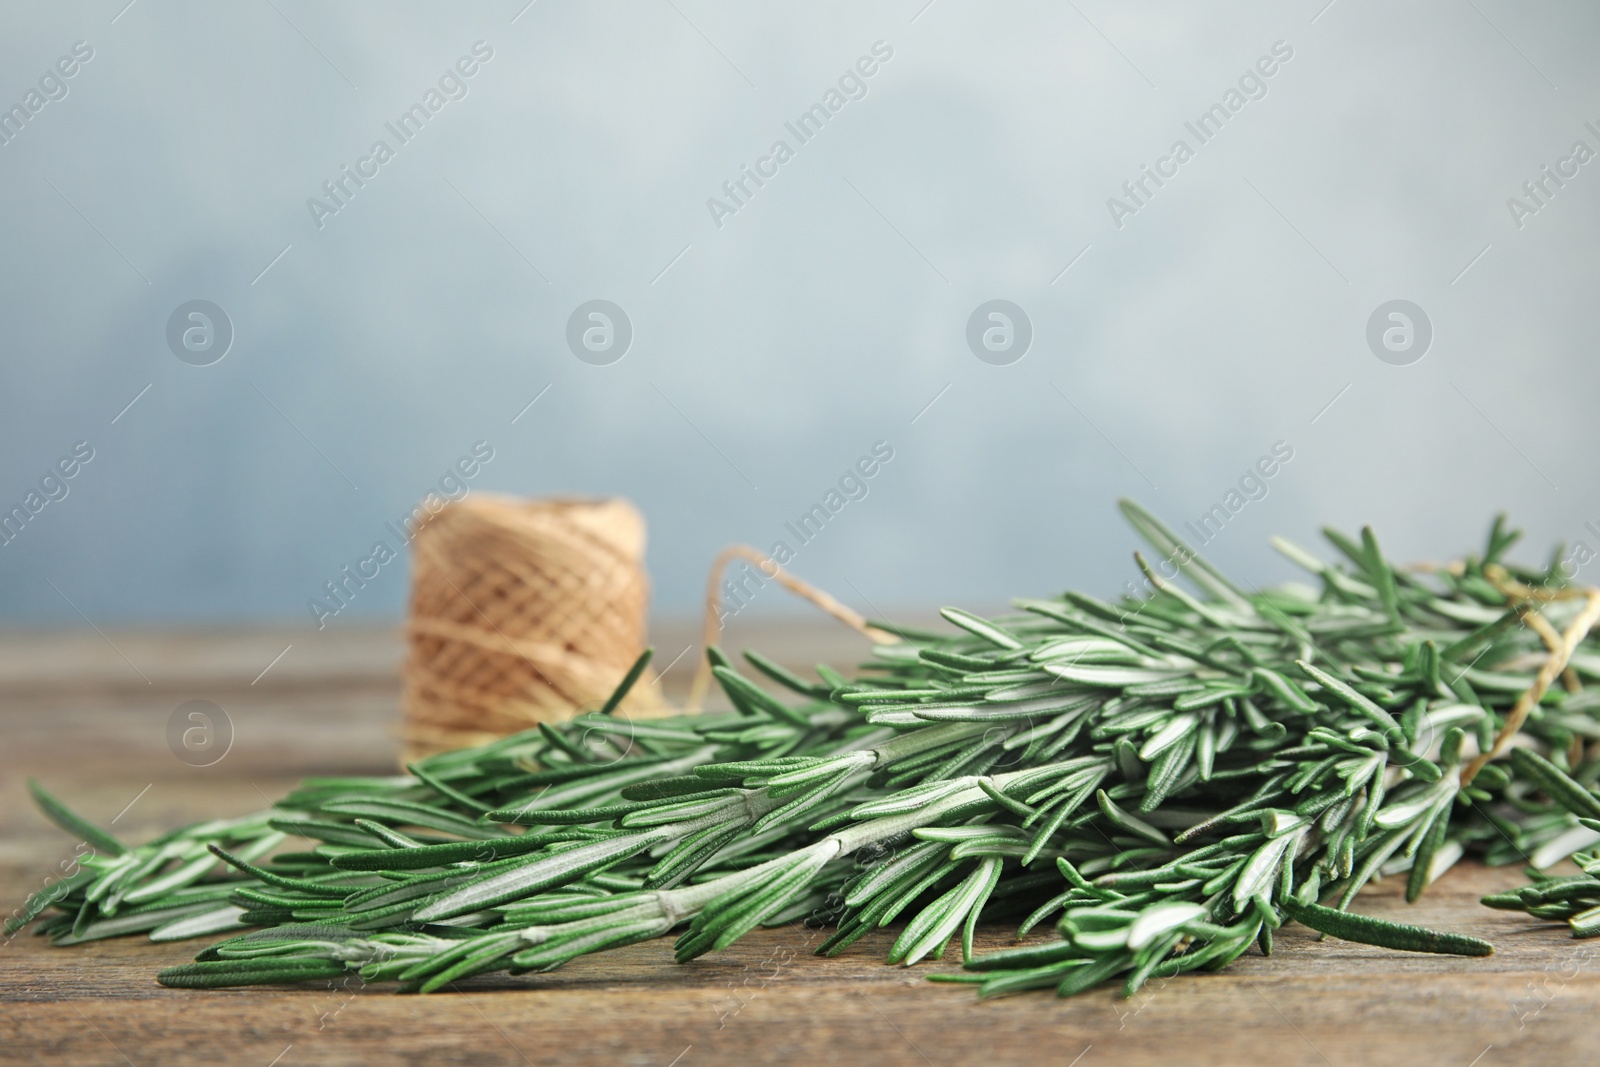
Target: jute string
522,611
1561,646
528,611
712,624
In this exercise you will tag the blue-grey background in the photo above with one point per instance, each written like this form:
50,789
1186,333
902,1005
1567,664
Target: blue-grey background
770,353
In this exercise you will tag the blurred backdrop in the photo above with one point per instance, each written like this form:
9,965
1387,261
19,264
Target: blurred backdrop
277,270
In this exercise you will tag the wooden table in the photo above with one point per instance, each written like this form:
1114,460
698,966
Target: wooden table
88,716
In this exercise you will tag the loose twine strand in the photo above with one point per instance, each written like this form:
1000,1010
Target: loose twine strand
712,624
1561,646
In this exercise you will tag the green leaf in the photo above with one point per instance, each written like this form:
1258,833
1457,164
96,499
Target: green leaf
218,974
73,823
627,681
1172,547
529,878
1373,931
981,628
1555,783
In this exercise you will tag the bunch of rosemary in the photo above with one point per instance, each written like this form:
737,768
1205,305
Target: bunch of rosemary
1169,778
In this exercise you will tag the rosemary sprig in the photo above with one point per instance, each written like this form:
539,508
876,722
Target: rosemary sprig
1168,778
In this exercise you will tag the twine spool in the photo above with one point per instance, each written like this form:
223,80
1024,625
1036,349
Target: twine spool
522,611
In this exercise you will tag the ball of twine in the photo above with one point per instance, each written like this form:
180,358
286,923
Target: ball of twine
522,611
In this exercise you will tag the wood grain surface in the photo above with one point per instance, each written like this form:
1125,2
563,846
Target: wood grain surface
88,716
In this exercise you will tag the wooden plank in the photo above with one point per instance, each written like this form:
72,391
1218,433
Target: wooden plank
362,656
133,661
767,999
